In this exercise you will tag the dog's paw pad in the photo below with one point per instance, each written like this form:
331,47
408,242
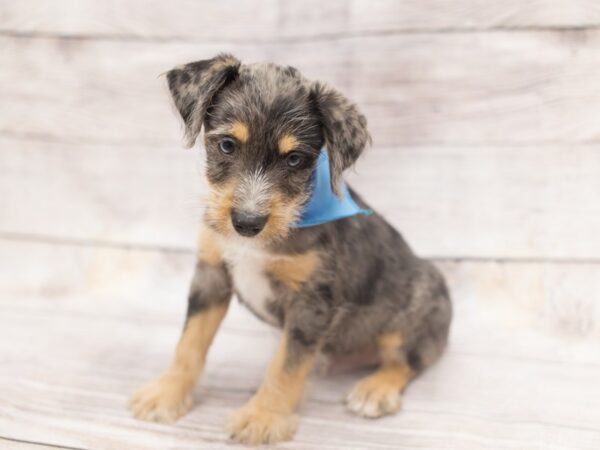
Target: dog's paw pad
254,426
163,400
372,398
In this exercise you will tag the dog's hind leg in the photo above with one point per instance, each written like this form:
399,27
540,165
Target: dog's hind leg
379,393
404,357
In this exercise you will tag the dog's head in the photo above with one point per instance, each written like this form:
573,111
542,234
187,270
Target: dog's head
264,127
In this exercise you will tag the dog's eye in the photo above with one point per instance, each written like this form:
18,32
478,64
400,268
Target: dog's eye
227,146
295,160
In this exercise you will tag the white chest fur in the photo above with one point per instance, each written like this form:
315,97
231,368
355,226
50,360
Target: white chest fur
247,266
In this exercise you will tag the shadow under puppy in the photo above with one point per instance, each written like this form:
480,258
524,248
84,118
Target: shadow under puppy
336,286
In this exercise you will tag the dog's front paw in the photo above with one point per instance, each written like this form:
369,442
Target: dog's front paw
252,425
163,400
373,398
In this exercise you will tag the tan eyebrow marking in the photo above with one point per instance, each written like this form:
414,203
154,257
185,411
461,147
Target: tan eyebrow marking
287,143
239,130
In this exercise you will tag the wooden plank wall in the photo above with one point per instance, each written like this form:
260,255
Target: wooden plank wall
492,132
486,155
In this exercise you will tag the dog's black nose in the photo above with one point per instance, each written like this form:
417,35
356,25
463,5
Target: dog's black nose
247,224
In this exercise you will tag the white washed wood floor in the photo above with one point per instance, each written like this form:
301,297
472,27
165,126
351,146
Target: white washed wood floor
82,327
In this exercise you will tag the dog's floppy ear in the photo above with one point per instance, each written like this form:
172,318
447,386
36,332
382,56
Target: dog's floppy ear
194,85
344,129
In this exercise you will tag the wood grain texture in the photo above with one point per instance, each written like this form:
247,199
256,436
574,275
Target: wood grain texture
478,202
276,19
521,370
20,444
120,194
458,88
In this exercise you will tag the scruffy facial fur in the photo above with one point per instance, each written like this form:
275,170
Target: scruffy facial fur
339,289
269,112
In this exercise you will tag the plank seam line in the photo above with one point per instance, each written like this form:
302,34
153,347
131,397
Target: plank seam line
322,37
24,441
48,138
176,144
74,242
92,243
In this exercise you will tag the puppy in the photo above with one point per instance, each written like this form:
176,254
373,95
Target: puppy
337,283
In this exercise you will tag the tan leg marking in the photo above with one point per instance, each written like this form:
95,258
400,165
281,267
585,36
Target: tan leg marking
170,396
379,393
389,344
240,131
208,249
293,271
268,417
287,143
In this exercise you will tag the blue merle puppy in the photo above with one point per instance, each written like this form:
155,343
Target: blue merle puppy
337,286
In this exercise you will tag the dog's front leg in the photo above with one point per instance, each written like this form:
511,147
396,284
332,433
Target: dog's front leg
170,396
269,416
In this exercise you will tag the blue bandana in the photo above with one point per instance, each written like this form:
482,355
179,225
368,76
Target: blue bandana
324,206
